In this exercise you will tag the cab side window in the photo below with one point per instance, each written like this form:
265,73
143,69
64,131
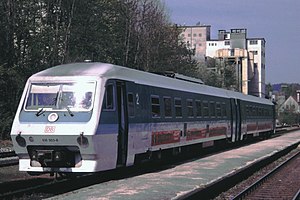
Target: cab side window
108,103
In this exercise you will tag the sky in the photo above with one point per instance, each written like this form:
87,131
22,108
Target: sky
278,21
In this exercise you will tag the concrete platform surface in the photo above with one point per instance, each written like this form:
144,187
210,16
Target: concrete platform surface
182,179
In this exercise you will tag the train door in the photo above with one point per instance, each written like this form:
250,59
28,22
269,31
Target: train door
238,120
274,118
235,120
122,124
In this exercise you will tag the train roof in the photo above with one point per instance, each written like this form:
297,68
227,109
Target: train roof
111,71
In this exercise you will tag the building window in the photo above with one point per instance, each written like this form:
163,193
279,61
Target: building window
200,34
194,35
227,43
188,44
178,107
231,52
155,106
168,106
253,42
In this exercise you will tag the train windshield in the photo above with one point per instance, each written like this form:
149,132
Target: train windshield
61,96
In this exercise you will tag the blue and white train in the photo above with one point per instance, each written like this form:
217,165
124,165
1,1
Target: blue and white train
90,117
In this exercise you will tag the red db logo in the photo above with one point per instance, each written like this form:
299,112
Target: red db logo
49,129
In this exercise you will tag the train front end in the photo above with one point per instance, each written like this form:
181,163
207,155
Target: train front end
55,124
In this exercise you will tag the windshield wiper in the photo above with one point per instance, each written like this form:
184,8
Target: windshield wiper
56,99
69,111
40,112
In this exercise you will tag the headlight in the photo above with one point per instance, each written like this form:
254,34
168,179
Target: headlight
20,140
83,141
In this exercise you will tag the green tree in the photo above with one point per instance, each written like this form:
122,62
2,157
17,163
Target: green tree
288,117
35,35
229,77
215,74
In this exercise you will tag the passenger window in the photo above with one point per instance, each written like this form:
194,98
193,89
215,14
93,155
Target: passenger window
251,111
218,109
198,108
155,106
254,111
268,112
190,107
178,107
212,109
247,110
109,97
168,106
205,109
130,102
223,108
259,111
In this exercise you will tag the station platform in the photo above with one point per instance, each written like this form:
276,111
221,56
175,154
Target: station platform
177,182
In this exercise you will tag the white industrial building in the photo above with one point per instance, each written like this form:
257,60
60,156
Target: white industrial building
234,48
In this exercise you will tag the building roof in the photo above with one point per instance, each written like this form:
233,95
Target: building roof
291,101
194,26
256,39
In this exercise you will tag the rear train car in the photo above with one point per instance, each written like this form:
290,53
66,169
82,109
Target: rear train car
89,117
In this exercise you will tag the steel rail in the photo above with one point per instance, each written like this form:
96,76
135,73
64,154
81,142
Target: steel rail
5,154
297,195
259,182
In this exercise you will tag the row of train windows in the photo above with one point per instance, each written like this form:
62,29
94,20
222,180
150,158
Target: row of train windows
194,108
258,111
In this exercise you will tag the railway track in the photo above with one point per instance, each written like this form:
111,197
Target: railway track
21,188
6,154
280,183
8,158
